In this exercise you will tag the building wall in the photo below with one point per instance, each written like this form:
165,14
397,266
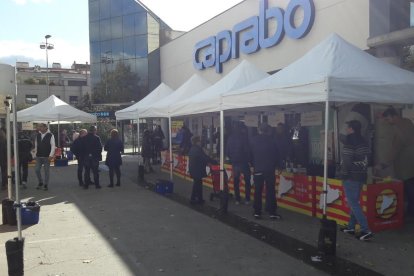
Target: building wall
125,31
63,92
348,18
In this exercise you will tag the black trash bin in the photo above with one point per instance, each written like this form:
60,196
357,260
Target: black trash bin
14,251
327,237
8,212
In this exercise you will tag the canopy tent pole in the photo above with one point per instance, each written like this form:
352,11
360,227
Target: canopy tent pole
336,134
9,155
138,145
221,150
325,159
16,165
170,146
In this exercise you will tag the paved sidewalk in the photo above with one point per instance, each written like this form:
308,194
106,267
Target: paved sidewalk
390,253
130,230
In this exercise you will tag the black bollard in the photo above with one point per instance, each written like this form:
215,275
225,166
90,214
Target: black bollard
8,212
141,172
14,251
327,237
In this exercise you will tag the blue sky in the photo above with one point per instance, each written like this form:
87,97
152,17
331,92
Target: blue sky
24,24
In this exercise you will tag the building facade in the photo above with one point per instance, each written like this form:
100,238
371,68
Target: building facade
68,84
382,27
126,31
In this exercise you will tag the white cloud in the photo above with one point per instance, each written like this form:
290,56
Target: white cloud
64,52
24,2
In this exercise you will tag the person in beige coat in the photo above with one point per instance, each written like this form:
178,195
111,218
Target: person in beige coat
402,155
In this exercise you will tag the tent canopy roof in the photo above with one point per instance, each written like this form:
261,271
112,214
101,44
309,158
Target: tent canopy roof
54,109
334,70
131,112
192,86
209,100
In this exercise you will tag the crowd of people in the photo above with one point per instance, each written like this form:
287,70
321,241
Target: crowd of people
86,145
259,156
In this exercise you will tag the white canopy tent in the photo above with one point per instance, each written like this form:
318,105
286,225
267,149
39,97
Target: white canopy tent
209,100
333,71
192,86
131,112
54,109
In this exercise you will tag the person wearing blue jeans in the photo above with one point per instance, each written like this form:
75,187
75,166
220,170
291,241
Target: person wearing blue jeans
355,158
45,151
352,192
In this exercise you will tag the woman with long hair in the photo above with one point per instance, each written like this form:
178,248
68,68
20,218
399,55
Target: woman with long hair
114,146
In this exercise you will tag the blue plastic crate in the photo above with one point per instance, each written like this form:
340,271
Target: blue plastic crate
61,162
163,186
30,214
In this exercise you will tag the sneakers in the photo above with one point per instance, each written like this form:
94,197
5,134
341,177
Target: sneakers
275,217
257,216
39,186
45,188
365,236
247,202
348,231
237,202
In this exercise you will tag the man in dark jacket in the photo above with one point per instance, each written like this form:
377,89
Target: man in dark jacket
265,161
25,156
93,154
78,149
238,150
185,144
355,156
198,161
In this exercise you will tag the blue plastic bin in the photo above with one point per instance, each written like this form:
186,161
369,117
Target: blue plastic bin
30,214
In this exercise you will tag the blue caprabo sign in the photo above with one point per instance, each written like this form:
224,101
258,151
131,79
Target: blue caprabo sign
252,34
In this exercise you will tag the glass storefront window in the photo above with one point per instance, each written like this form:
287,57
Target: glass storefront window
142,69
93,11
31,99
129,47
116,8
94,31
130,6
106,48
141,46
95,52
117,52
105,29
105,9
412,14
131,64
116,27
128,24
140,23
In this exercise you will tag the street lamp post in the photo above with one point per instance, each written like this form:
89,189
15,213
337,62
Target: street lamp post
47,46
107,59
